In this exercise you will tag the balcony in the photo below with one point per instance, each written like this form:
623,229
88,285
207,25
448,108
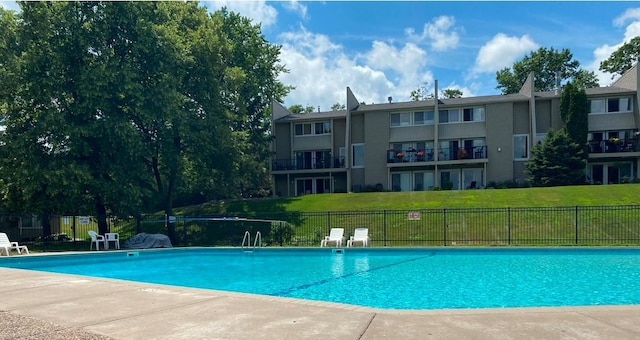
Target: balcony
613,145
307,164
444,154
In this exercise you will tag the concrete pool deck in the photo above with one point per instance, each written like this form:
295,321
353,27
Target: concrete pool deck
37,305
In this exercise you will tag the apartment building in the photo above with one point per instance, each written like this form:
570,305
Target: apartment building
457,144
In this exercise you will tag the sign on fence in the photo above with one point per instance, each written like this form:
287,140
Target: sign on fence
413,216
84,220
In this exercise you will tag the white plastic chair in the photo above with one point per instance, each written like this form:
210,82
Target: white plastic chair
336,236
360,235
96,239
7,246
112,237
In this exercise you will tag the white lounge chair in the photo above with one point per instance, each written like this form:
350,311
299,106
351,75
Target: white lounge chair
6,246
336,236
96,239
360,235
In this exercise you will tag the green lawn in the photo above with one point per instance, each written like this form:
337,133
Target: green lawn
592,195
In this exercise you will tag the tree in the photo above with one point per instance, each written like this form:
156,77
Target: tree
623,58
65,150
119,107
421,93
545,63
574,111
338,107
451,93
556,161
585,79
299,109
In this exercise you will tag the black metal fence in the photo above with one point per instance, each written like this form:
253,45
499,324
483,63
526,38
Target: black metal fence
551,226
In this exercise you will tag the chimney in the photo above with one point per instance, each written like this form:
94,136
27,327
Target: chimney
318,108
389,99
558,89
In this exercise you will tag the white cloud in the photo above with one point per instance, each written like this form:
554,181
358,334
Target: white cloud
502,51
632,14
296,6
631,18
256,10
407,61
321,70
440,32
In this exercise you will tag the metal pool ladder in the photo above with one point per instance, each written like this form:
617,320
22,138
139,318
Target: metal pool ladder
246,241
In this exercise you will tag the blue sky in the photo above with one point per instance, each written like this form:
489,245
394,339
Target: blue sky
382,49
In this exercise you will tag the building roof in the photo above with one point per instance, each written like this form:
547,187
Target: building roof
313,115
448,102
443,101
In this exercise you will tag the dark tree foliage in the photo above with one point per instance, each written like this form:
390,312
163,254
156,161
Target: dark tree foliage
574,111
299,109
544,63
557,161
623,58
121,107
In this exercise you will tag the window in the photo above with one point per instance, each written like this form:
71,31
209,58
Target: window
610,105
618,105
520,147
400,119
472,178
323,128
423,181
358,155
423,118
450,179
307,129
475,114
597,106
540,138
401,181
449,116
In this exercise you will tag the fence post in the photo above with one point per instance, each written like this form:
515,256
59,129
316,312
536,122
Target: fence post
576,224
509,226
384,227
73,234
444,218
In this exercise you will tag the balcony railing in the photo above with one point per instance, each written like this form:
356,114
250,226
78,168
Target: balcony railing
614,145
307,164
444,154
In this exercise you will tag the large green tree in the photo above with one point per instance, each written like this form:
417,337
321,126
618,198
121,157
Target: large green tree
123,106
64,151
623,58
545,63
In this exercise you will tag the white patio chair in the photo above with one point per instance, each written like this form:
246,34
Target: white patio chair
112,237
6,246
336,236
360,235
96,239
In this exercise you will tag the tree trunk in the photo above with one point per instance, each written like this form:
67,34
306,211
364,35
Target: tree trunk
46,227
101,212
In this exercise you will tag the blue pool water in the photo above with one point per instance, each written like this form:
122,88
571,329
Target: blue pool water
382,278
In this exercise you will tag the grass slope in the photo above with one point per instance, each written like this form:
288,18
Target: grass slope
601,195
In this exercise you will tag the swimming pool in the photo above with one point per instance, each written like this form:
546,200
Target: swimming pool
413,279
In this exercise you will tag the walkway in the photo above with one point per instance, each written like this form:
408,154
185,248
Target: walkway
38,305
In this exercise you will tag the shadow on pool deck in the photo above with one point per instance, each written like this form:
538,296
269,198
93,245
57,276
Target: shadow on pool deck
39,305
